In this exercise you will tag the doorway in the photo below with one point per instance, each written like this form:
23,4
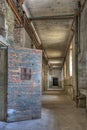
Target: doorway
55,81
3,81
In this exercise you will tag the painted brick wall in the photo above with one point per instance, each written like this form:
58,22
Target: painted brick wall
24,93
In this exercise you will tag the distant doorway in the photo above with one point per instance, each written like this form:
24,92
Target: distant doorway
55,81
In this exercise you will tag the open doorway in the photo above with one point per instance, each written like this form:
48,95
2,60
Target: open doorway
55,81
3,81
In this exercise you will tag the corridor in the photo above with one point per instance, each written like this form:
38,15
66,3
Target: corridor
43,64
58,113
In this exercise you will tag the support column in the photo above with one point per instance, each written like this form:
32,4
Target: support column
77,48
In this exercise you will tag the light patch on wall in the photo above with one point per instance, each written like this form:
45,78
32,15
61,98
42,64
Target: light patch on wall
54,62
52,53
70,62
56,66
65,70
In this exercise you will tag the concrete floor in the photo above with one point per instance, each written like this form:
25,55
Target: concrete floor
58,113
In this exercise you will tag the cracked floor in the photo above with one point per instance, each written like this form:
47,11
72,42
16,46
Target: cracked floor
58,113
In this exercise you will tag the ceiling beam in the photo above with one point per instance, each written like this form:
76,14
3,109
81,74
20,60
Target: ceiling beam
56,67
55,58
26,23
83,5
77,14
59,17
56,64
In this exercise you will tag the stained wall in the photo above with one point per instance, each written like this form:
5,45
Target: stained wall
24,84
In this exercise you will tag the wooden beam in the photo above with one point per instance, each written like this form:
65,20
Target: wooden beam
83,5
56,64
59,17
12,5
23,19
79,12
28,28
55,58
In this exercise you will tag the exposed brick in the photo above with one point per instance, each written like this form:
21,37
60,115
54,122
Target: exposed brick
24,96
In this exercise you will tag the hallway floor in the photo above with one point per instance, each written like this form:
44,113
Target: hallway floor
58,113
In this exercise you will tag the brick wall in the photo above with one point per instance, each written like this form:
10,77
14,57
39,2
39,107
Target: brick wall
24,84
82,66
21,37
83,50
6,11
14,36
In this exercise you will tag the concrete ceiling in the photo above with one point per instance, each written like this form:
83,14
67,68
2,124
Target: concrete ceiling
53,34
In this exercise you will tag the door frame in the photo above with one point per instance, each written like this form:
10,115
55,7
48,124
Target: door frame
4,46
